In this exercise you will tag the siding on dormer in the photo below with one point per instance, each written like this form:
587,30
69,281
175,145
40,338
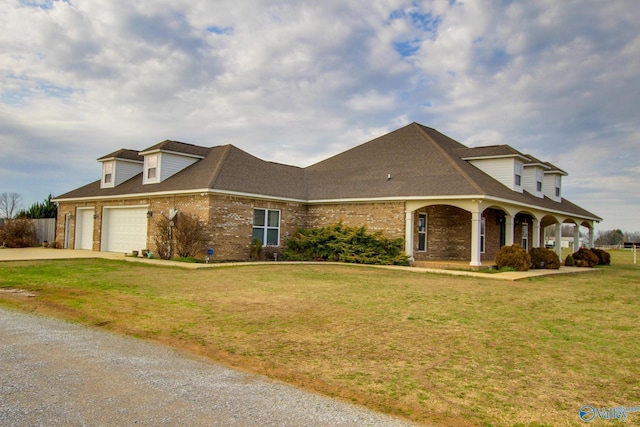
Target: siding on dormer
123,171
170,164
549,186
501,169
530,180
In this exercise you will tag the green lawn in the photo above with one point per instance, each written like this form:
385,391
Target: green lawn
431,348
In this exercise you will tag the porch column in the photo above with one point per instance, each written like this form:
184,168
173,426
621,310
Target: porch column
408,235
591,237
559,239
576,238
475,239
536,234
508,230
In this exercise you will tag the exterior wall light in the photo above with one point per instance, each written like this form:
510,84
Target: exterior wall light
149,214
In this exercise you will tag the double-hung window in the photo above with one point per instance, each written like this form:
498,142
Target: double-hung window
539,178
525,236
422,232
483,234
266,226
108,173
518,174
152,167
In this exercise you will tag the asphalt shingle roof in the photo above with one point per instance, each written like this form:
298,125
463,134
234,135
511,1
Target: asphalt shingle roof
178,147
489,151
420,161
125,154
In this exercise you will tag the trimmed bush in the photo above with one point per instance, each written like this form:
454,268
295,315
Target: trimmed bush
544,258
585,258
347,244
18,233
569,261
604,258
514,256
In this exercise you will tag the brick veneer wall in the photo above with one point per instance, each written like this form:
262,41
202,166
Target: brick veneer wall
448,234
517,229
387,217
231,223
493,222
230,220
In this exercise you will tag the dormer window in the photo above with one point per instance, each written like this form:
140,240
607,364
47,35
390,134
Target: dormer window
518,174
557,186
539,178
167,158
152,167
108,173
119,166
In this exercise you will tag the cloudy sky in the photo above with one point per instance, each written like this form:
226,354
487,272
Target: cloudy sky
296,81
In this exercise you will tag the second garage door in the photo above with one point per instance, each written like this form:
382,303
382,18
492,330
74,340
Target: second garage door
124,229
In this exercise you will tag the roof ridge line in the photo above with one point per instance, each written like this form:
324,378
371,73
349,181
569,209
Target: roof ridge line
215,173
449,157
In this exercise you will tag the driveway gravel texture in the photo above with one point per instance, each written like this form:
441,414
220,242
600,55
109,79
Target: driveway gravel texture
55,373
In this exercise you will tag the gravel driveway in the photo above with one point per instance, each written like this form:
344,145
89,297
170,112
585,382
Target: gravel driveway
54,373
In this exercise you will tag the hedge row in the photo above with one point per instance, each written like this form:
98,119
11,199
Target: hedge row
589,258
516,257
348,244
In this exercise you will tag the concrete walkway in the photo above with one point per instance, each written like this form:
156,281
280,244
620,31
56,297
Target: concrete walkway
27,254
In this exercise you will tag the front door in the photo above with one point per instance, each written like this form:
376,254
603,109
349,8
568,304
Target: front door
84,229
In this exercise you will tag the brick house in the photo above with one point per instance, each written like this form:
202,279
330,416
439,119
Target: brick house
447,201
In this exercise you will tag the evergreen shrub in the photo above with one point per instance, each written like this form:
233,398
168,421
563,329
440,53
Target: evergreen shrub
544,258
514,256
604,258
338,242
585,258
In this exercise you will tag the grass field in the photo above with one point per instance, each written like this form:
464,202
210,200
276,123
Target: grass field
427,347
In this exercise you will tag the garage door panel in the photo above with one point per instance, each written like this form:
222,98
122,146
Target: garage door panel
125,229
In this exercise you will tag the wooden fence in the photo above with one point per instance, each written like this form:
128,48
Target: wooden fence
45,229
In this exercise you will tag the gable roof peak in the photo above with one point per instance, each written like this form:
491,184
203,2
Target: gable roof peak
124,154
491,151
177,147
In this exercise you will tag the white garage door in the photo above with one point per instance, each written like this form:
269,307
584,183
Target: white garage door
124,229
84,229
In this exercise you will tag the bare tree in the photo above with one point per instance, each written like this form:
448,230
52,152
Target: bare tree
610,237
632,236
9,204
183,236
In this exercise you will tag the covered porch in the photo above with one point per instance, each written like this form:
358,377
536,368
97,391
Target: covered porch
469,232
